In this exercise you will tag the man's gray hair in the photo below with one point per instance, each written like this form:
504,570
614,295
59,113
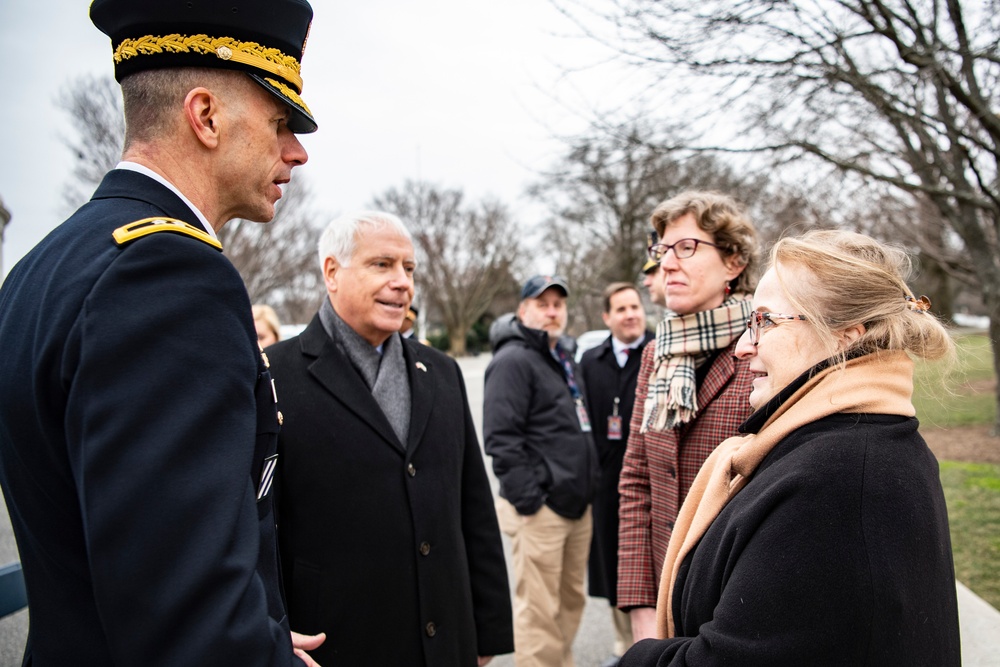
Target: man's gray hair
339,239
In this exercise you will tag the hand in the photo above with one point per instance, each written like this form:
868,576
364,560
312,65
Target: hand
303,643
483,660
643,623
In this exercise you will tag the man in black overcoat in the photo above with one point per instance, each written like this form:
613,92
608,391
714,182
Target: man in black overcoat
138,424
610,372
389,540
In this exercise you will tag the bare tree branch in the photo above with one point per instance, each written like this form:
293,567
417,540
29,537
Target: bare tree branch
902,92
466,254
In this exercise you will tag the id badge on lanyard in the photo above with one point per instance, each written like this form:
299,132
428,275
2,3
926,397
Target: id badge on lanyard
581,414
615,423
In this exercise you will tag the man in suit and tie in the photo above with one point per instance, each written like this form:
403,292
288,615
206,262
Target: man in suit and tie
389,540
610,372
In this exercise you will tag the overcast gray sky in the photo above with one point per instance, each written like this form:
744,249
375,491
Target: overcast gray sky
457,92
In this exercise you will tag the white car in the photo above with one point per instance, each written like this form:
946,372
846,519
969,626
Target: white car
589,339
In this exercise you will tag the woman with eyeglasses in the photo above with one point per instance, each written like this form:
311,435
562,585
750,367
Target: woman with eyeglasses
820,536
691,392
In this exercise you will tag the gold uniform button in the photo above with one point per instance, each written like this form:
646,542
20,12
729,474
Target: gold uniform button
281,418
430,629
411,470
425,548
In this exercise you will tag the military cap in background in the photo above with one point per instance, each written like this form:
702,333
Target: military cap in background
650,265
264,38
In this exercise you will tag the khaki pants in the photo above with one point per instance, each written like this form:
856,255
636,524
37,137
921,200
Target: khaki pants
622,623
550,569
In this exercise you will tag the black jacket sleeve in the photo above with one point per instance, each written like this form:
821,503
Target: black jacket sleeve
507,400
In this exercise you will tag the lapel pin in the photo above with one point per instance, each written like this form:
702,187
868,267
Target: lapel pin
421,366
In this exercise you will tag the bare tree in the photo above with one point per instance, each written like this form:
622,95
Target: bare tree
94,107
603,190
466,253
4,220
899,92
276,260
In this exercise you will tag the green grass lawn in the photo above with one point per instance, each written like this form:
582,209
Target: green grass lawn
972,491
962,395
965,396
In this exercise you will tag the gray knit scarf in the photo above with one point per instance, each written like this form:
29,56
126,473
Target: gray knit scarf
385,374
683,343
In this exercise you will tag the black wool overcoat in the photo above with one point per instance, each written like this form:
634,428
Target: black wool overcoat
394,552
604,381
836,552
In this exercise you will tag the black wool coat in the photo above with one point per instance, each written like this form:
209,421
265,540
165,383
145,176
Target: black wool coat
836,552
136,415
393,552
604,381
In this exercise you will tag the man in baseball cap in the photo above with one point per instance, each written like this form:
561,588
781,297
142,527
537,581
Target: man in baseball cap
537,429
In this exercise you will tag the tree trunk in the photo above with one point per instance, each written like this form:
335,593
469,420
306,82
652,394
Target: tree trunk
937,283
456,341
992,298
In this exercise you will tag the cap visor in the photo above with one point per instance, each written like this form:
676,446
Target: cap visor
300,121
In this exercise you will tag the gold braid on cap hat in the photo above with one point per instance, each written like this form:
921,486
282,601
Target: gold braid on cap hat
288,92
226,48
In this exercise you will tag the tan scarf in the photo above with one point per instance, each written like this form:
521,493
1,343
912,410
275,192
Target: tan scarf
683,343
879,383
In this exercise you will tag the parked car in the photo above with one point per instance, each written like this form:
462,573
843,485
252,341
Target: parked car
589,339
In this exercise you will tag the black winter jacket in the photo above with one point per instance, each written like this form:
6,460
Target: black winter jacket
836,552
540,453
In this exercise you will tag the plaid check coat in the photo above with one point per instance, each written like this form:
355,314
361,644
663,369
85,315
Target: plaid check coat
660,467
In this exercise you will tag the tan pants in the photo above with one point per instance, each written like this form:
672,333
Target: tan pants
622,623
550,569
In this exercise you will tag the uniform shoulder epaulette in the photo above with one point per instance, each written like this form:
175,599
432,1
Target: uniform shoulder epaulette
140,228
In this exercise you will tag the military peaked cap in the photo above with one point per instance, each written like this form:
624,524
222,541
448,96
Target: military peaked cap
264,38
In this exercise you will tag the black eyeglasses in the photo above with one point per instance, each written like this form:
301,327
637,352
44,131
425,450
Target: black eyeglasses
682,249
765,321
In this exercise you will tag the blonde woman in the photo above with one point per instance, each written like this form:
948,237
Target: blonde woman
268,325
820,536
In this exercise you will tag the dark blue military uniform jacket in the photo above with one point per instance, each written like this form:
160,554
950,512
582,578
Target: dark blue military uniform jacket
136,414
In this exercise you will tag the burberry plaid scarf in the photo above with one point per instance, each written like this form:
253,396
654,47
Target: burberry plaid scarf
683,343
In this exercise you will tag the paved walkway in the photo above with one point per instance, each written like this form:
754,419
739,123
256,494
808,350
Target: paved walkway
980,622
980,625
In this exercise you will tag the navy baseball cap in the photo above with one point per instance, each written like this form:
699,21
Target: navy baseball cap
264,38
538,284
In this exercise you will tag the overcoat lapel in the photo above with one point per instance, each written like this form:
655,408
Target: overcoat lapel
422,388
723,368
607,355
334,372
